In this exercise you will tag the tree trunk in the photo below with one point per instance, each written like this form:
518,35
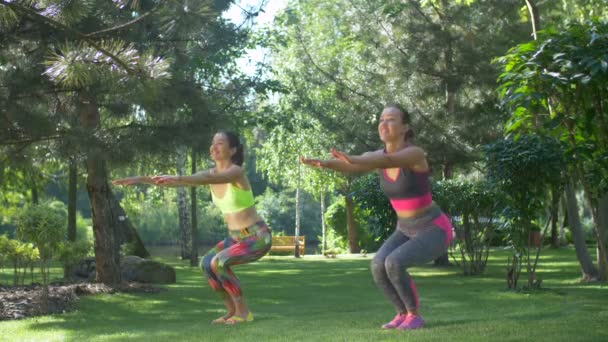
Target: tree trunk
185,231
555,199
452,86
296,252
107,257
193,208
72,197
589,271
351,224
448,170
600,240
603,233
323,227
564,221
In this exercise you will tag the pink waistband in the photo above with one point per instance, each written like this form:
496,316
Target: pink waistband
444,223
412,203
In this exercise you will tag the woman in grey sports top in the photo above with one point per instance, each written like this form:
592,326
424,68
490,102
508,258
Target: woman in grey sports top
423,231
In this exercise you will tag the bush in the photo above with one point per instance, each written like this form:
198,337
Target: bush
44,226
22,256
335,220
474,207
335,243
71,253
377,214
3,250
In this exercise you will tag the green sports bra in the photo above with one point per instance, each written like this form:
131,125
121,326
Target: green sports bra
235,199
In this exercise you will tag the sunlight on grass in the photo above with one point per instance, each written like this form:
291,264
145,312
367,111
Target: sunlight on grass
320,299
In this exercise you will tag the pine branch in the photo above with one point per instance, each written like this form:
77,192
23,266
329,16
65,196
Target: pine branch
53,23
30,141
125,25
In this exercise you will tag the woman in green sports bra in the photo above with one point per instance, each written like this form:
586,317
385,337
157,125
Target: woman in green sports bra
249,238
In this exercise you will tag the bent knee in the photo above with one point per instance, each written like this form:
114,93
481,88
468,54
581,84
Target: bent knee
394,266
206,262
377,265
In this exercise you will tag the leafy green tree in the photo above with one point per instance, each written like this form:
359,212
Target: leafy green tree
111,93
278,154
341,61
351,57
78,61
557,84
524,168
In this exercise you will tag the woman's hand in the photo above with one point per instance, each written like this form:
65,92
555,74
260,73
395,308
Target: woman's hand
341,156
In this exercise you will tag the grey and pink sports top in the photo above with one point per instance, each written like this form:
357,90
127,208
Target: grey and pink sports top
410,191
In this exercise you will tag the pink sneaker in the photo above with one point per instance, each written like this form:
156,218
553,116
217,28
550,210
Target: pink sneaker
399,318
411,322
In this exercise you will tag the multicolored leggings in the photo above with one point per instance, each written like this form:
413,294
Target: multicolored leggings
247,245
415,241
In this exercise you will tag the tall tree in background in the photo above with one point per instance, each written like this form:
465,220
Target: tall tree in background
343,60
99,52
557,85
277,156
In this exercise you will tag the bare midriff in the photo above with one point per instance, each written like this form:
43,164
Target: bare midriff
242,219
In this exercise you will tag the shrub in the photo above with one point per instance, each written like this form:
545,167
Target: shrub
474,207
44,226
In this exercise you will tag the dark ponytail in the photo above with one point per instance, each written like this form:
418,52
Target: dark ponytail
405,119
233,141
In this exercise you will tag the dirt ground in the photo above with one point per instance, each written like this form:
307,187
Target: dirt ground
17,302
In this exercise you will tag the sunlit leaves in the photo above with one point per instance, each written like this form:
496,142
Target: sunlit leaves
524,169
559,84
42,225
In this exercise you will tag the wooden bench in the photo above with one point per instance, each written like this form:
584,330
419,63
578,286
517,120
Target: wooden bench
288,244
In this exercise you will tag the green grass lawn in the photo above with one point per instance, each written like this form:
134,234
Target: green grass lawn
314,299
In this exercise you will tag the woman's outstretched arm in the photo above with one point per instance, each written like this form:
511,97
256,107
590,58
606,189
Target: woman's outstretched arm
133,180
411,158
338,165
230,175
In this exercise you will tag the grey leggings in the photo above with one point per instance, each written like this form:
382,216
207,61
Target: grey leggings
415,241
